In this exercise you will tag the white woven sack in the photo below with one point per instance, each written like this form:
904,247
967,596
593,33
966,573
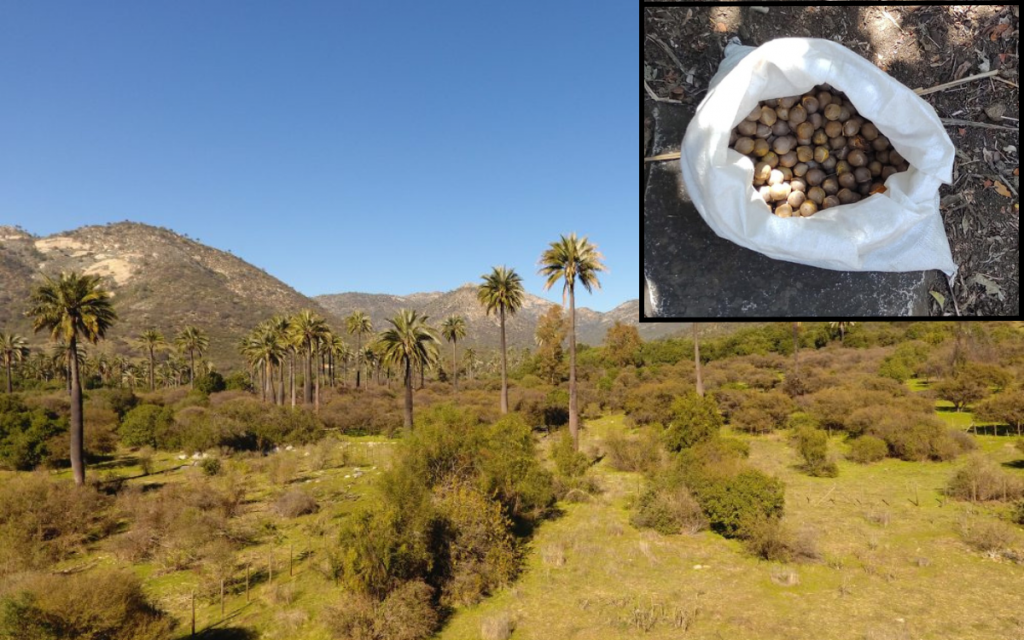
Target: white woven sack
900,230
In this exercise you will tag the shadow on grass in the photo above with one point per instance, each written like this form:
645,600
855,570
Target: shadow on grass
228,633
1016,464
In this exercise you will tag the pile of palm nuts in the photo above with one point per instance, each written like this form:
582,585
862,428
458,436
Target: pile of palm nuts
814,152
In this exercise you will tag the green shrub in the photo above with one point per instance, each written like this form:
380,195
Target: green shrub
896,369
145,425
868,449
694,420
763,412
94,605
981,478
961,390
211,382
510,471
121,401
210,466
28,436
914,436
1018,513
668,510
771,539
382,548
642,454
985,534
812,445
731,504
238,381
569,462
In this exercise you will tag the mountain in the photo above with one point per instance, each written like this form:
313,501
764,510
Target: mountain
161,279
482,330
158,278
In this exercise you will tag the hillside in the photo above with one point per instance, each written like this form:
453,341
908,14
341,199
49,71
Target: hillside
483,330
158,279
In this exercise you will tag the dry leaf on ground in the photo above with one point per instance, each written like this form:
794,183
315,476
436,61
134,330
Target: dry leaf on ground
1001,190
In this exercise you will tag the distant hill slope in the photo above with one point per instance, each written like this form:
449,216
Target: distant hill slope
158,278
483,330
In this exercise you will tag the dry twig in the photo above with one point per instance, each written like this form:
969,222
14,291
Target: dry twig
942,87
982,125
665,157
952,295
654,97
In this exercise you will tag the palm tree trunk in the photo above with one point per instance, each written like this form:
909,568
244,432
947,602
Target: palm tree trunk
455,364
7,361
152,364
423,369
307,384
574,427
77,428
291,375
359,356
408,395
796,344
696,361
316,383
192,370
504,379
268,381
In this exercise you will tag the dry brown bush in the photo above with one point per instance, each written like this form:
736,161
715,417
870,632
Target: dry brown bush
981,478
295,503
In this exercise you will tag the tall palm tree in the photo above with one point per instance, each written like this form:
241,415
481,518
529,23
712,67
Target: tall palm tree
13,348
340,353
409,343
358,324
502,291
573,260
470,357
842,326
264,349
150,341
796,345
696,361
73,307
454,329
192,341
306,329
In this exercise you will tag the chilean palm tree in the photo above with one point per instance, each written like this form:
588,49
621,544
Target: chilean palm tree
572,260
150,341
306,329
13,348
502,292
842,326
454,329
73,307
192,341
264,349
358,324
340,353
696,361
409,343
469,355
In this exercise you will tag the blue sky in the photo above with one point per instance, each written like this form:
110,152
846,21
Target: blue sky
340,146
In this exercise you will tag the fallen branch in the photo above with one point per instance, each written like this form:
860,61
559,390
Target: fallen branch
654,97
663,157
952,296
1005,81
980,125
942,87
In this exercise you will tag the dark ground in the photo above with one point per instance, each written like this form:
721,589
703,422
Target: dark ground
922,47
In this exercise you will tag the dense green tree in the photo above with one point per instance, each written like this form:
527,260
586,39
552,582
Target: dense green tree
502,292
572,260
194,342
696,361
73,307
13,348
409,343
454,329
961,390
623,344
1006,407
549,336
695,419
358,324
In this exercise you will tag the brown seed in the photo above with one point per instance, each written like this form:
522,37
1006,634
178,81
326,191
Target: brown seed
788,160
869,131
856,158
887,171
747,128
830,165
848,181
815,176
820,154
845,114
800,169
845,196
804,130
820,137
775,177
755,115
863,174
772,159
787,173
784,211
781,128
808,209
830,186
816,120
858,142
761,147
851,128
843,167
895,159
766,194
834,129
796,198
788,102
798,185
804,154
824,99
829,202
875,168
780,191
782,145
832,111
762,171
882,156
763,131
810,103
864,188
880,143
744,146
816,195
768,116
797,115
837,143
782,113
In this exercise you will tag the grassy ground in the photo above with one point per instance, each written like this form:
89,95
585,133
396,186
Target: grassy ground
891,568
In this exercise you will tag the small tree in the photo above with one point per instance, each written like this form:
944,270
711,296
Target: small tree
1006,407
961,390
812,444
694,420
